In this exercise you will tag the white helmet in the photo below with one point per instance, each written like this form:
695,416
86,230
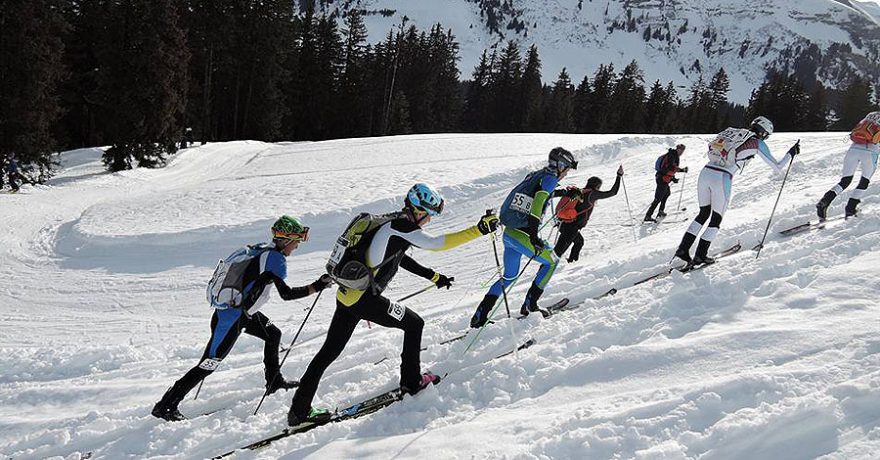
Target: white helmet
762,127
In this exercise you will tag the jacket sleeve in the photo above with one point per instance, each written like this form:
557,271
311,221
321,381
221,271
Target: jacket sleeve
286,292
421,239
760,149
598,195
548,184
409,264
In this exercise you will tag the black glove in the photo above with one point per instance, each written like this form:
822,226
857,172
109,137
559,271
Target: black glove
488,224
620,171
674,180
684,170
321,283
443,281
795,149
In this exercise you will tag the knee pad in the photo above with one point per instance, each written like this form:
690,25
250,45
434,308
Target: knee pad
704,214
716,220
863,183
845,181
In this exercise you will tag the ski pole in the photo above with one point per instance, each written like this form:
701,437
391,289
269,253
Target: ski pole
498,265
420,291
761,244
198,390
680,193
625,195
265,393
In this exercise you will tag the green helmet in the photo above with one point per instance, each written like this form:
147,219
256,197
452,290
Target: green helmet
290,228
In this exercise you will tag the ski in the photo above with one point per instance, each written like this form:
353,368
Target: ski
549,311
805,227
681,268
356,410
659,222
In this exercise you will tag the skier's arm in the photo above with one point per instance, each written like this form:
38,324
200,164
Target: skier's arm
286,292
410,265
763,151
548,184
599,195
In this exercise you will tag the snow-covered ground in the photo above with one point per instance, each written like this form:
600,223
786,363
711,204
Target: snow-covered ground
102,302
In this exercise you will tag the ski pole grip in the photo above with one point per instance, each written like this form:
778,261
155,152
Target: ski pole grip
490,211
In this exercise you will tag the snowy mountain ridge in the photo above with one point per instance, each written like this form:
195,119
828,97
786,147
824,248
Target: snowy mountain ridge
673,40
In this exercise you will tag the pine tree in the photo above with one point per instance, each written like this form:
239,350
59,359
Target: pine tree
31,52
142,82
816,110
477,99
560,111
627,100
600,99
505,89
582,111
531,90
718,88
353,93
657,108
855,103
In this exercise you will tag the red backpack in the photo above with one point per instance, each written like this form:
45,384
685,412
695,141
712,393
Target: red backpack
566,209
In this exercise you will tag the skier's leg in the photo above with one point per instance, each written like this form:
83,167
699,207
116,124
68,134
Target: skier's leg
261,326
225,329
341,327
665,192
868,162
386,313
567,233
704,199
511,260
720,200
576,247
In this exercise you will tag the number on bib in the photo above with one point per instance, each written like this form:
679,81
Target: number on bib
521,203
338,251
396,310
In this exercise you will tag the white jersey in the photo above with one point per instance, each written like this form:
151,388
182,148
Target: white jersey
734,147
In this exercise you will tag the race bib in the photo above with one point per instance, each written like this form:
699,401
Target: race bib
396,310
338,251
522,203
209,364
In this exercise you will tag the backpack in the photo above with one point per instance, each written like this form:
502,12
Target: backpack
566,209
225,289
868,130
726,143
348,261
659,162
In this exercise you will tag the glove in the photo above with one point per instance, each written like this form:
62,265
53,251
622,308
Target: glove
674,180
620,170
443,281
684,170
795,149
321,283
537,243
488,224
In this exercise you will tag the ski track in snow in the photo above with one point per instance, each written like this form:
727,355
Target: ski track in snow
102,291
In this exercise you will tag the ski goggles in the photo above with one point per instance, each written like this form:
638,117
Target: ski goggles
563,165
432,210
292,236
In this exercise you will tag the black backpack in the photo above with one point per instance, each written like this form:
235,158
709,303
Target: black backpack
347,265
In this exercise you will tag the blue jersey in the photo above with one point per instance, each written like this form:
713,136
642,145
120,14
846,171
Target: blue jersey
529,198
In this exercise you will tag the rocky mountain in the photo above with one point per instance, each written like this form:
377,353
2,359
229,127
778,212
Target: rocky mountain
679,40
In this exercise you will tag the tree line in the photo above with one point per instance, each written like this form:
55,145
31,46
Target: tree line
141,76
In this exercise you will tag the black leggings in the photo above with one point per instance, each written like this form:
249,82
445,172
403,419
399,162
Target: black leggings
373,308
661,194
568,234
226,326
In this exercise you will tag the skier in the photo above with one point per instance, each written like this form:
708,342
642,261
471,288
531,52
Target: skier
521,215
574,211
385,253
267,266
729,152
667,167
12,173
863,151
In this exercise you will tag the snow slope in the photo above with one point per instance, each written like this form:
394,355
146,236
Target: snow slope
101,297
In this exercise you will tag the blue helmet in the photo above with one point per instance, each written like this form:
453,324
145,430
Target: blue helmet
424,198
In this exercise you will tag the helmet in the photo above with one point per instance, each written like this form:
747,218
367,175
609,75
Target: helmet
424,198
561,159
762,127
594,183
289,228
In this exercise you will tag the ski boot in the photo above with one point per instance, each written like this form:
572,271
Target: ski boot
649,219
279,383
852,208
684,248
531,303
661,215
427,379
701,257
166,408
481,316
315,415
822,205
